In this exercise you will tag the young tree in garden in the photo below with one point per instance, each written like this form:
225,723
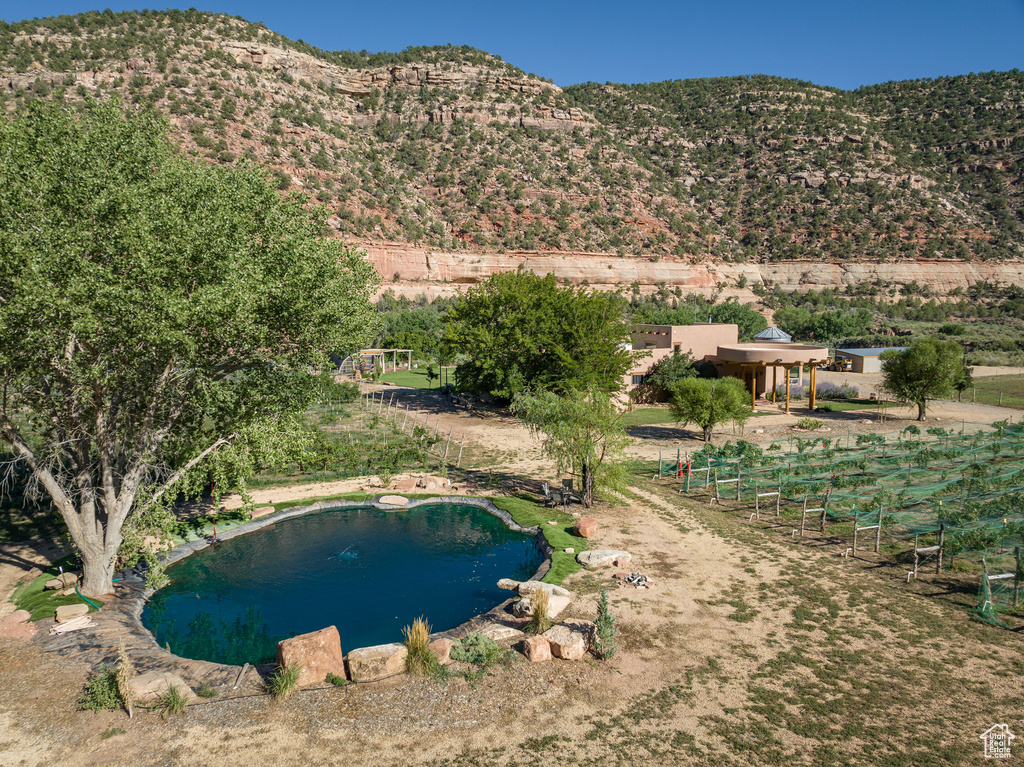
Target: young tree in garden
581,430
156,314
519,331
708,403
927,369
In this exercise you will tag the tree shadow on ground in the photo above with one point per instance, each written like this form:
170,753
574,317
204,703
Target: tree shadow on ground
660,432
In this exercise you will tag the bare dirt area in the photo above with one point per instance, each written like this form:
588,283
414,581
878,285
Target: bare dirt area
751,647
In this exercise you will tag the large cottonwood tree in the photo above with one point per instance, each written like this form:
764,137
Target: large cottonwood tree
518,331
153,311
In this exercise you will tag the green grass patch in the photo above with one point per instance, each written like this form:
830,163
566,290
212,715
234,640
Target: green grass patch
843,405
642,416
987,390
34,597
417,379
527,512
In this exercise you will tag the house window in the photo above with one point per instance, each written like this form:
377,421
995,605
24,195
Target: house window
639,378
677,346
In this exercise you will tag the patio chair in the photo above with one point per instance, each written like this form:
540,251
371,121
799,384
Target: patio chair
545,490
558,498
570,496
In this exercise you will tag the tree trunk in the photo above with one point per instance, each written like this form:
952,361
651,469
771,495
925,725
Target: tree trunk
707,433
97,574
920,411
587,480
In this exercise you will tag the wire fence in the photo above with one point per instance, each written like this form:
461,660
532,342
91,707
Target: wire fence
943,493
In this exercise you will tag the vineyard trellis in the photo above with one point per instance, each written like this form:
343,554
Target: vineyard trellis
950,494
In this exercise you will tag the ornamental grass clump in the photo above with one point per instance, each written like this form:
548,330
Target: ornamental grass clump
125,672
284,681
540,619
421,660
174,701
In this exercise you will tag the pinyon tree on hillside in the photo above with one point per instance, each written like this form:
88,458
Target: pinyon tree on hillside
156,314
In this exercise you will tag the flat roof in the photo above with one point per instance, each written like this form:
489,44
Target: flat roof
874,351
771,353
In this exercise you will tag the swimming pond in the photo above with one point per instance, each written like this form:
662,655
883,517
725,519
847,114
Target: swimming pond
368,572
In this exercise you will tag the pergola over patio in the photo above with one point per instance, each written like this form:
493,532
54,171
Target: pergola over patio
752,360
368,360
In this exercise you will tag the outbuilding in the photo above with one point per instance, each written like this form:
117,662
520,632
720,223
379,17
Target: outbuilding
866,360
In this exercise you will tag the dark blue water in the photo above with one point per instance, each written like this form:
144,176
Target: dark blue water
365,571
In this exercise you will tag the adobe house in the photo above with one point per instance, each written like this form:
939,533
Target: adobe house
660,341
750,362
719,344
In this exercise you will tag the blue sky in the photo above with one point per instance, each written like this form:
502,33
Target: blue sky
843,44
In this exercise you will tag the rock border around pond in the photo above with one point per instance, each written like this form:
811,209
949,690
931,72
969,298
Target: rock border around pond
122,617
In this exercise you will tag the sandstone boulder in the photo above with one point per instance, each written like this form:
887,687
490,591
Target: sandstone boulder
586,527
406,485
442,648
66,613
317,654
527,589
378,662
394,500
17,626
262,511
570,640
62,581
500,633
508,584
556,606
148,688
433,484
536,649
603,557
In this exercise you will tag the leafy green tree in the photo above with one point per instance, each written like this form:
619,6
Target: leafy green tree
581,430
823,325
708,403
667,372
750,321
927,369
520,331
155,315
